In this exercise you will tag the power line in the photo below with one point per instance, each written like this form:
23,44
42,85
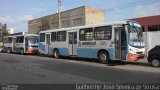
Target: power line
124,6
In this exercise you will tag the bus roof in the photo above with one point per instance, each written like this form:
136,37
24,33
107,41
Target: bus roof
26,35
88,26
7,36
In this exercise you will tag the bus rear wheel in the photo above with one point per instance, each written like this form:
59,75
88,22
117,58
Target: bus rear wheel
103,57
8,51
56,54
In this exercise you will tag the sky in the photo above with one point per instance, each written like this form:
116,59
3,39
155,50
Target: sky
16,13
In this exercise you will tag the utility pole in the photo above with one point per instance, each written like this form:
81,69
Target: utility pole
59,13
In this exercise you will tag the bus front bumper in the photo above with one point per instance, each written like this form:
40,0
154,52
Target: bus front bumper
135,57
32,51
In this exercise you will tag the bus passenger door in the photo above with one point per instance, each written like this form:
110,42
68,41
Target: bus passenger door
72,43
120,43
26,44
13,44
47,43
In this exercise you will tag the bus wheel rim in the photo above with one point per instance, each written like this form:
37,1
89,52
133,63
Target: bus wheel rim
8,51
155,62
56,53
103,57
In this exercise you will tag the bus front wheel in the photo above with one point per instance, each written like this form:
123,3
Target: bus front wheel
103,57
56,54
22,52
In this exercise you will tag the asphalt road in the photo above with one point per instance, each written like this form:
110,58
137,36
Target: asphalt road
29,69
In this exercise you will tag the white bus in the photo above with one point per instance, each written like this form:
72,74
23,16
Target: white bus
118,40
7,44
25,44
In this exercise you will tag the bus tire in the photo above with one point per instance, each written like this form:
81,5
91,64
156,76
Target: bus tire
103,57
8,50
22,52
56,53
2,50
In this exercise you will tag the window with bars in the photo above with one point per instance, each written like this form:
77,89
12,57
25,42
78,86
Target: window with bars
86,34
53,36
61,36
42,37
102,33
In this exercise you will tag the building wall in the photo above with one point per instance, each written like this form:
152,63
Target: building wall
75,17
34,26
70,18
94,16
151,23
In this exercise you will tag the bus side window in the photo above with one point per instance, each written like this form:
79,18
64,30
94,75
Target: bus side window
21,39
10,39
53,36
86,34
42,37
61,36
17,39
103,33
7,40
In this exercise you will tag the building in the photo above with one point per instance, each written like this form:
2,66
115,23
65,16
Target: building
3,29
150,23
75,17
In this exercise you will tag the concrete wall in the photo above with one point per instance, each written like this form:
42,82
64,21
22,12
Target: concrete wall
94,16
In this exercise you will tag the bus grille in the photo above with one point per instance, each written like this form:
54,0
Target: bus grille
139,52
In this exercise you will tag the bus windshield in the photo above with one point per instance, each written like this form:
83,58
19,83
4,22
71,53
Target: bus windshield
135,36
32,40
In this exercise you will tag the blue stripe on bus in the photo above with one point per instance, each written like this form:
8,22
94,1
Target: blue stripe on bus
92,53
86,52
42,47
111,53
62,51
81,52
51,51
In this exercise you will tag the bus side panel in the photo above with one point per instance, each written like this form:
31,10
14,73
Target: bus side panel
7,46
87,52
51,50
62,51
111,53
18,47
61,46
92,52
42,48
